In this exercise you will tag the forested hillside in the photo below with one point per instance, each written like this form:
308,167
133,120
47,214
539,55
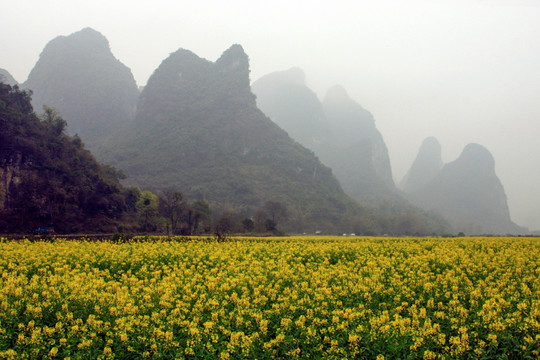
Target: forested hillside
47,178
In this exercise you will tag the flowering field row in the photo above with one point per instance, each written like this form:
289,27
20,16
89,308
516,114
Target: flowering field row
309,298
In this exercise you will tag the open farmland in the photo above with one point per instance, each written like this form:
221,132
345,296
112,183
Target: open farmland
318,297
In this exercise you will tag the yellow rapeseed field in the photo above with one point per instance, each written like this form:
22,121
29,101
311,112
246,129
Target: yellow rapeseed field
297,297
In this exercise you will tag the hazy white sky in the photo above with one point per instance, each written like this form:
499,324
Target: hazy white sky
462,71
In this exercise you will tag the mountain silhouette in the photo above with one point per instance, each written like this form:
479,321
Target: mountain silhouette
356,150
79,76
344,136
469,194
6,78
425,167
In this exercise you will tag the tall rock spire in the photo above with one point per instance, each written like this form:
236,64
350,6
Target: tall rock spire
425,167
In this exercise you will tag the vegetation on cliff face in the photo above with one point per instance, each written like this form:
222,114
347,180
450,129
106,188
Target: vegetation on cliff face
47,177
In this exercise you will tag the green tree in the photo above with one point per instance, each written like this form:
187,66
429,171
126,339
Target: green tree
270,225
248,224
171,206
147,210
225,224
131,196
199,214
52,119
275,210
260,219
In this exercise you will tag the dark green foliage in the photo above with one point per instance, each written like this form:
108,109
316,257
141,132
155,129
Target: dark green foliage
225,224
48,178
131,196
270,225
248,224
199,213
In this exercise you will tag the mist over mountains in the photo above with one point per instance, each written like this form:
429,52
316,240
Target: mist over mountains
343,135
197,126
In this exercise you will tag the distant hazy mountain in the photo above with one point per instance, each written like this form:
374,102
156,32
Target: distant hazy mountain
285,98
338,130
79,76
425,167
198,128
6,78
355,148
344,136
469,194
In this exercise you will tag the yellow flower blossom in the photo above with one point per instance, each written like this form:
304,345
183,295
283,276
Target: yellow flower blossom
297,297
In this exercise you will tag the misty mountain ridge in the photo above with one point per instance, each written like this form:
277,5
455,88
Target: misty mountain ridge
80,77
279,96
465,191
344,136
356,139
340,131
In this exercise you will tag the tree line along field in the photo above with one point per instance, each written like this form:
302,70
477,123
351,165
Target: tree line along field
255,298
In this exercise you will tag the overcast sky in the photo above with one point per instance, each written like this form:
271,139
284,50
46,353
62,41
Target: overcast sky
462,71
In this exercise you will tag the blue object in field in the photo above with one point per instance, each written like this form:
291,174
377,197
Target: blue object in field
44,230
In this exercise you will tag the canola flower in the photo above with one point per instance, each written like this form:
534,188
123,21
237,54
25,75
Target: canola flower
298,297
